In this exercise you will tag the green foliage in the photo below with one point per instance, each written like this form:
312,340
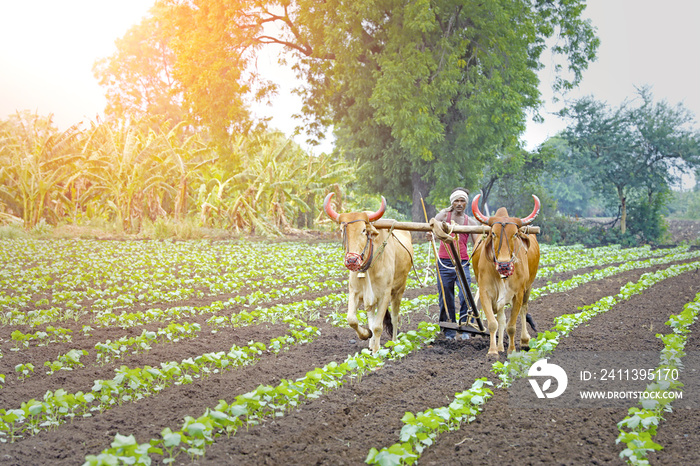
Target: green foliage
139,77
512,177
158,183
36,163
565,230
418,92
432,93
632,150
646,219
277,187
11,232
24,370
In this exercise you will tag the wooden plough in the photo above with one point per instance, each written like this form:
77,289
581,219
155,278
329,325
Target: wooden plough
477,327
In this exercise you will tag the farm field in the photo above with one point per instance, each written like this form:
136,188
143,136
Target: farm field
215,352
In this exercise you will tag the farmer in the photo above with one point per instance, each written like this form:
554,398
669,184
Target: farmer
448,275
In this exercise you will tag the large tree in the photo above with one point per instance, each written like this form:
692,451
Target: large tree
426,93
638,147
423,93
138,78
184,62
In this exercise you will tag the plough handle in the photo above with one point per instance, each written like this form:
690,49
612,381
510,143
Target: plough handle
465,285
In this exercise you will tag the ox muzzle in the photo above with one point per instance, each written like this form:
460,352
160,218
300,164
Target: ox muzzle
505,269
353,261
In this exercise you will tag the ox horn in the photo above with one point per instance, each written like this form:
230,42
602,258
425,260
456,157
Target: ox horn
528,220
378,214
477,213
329,209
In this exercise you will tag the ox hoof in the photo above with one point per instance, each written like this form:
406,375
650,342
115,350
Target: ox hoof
491,355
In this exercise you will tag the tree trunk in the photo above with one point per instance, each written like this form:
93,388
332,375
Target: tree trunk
420,190
623,211
486,191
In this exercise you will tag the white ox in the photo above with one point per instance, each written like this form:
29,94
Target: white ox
379,262
505,266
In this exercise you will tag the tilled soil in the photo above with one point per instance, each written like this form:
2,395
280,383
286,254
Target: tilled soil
341,426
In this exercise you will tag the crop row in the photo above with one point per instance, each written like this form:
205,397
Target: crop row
420,435
639,427
133,384
611,256
252,407
307,309
198,438
110,351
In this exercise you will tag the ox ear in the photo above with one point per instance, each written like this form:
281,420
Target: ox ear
371,231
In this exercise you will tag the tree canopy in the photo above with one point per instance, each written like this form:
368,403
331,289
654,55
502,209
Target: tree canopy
138,78
422,93
638,148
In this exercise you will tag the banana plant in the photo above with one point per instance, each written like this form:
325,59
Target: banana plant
128,168
184,155
279,184
38,163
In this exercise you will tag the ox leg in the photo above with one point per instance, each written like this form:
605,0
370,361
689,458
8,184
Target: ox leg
501,315
394,313
515,312
524,334
376,322
487,305
353,303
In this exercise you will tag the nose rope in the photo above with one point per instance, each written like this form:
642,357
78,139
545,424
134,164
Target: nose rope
362,267
505,269
370,260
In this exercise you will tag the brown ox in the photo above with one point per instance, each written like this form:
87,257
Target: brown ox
379,262
505,265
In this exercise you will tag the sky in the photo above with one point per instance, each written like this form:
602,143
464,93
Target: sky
49,47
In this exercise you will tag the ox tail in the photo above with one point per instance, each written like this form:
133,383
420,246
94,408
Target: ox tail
531,321
388,325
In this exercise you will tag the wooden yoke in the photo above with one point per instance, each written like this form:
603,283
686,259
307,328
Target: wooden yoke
414,226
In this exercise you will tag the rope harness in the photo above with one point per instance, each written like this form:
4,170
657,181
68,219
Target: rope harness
354,261
357,262
505,269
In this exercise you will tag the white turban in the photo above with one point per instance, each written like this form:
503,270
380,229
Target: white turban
457,194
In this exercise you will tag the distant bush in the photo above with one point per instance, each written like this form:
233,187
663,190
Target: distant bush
566,230
12,232
646,221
